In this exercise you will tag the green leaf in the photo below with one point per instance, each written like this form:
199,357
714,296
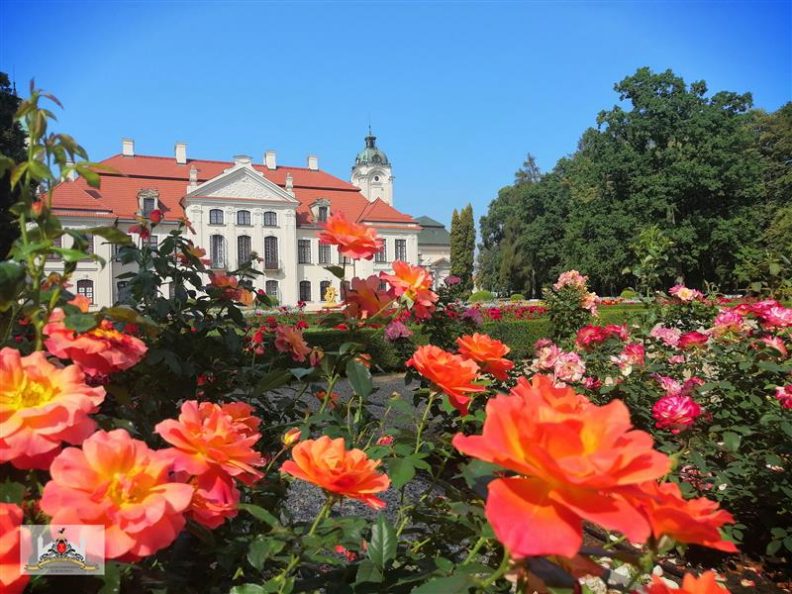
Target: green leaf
336,271
368,572
360,378
382,547
259,513
262,549
111,234
401,471
12,278
111,579
732,441
459,583
70,255
273,380
11,492
248,589
80,322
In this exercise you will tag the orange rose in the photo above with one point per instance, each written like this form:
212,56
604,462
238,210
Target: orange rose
574,462
82,302
353,240
487,352
449,373
207,438
214,500
242,417
322,395
289,339
229,288
42,406
693,521
365,299
118,482
705,584
413,283
11,580
291,437
328,464
101,351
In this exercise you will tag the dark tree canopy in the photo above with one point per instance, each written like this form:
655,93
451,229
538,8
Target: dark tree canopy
12,144
707,171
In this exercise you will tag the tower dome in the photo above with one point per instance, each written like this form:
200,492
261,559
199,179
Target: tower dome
371,155
372,172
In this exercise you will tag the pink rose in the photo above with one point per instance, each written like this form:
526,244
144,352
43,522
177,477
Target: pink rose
675,413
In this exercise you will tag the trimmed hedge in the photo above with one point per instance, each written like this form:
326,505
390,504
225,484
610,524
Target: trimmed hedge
520,335
480,296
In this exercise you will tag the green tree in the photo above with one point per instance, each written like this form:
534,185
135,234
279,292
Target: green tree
12,144
463,246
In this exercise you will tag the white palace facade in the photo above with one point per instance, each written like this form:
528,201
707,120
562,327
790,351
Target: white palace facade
239,208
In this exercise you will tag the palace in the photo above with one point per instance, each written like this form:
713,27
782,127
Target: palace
240,208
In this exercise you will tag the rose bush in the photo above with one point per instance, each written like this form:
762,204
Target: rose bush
185,426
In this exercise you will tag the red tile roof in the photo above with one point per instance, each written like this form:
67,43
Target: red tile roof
117,195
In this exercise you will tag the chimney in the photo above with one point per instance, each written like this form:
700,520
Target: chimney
242,160
72,175
313,162
181,153
127,147
289,183
193,178
269,160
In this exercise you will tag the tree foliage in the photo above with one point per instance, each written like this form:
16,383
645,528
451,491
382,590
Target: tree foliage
463,246
706,171
12,144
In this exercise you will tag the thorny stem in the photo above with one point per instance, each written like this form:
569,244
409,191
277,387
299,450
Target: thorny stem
498,573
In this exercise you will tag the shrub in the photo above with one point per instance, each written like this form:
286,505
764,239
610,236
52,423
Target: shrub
628,294
520,335
570,305
480,296
517,297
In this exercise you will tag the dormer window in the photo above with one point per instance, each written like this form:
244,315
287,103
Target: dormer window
320,210
322,216
148,200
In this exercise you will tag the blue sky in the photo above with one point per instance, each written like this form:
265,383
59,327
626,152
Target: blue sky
457,92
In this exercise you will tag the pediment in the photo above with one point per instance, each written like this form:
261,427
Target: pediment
242,182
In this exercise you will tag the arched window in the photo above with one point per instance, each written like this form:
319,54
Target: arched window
270,219
271,253
323,286
215,216
271,288
305,291
218,252
86,289
243,218
243,250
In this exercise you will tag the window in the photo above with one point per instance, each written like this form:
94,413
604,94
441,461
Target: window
376,178
57,242
305,290
303,251
345,286
270,219
243,218
271,253
324,254
85,288
271,288
90,248
243,250
218,255
382,255
149,204
322,214
401,250
323,286
215,216
123,290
